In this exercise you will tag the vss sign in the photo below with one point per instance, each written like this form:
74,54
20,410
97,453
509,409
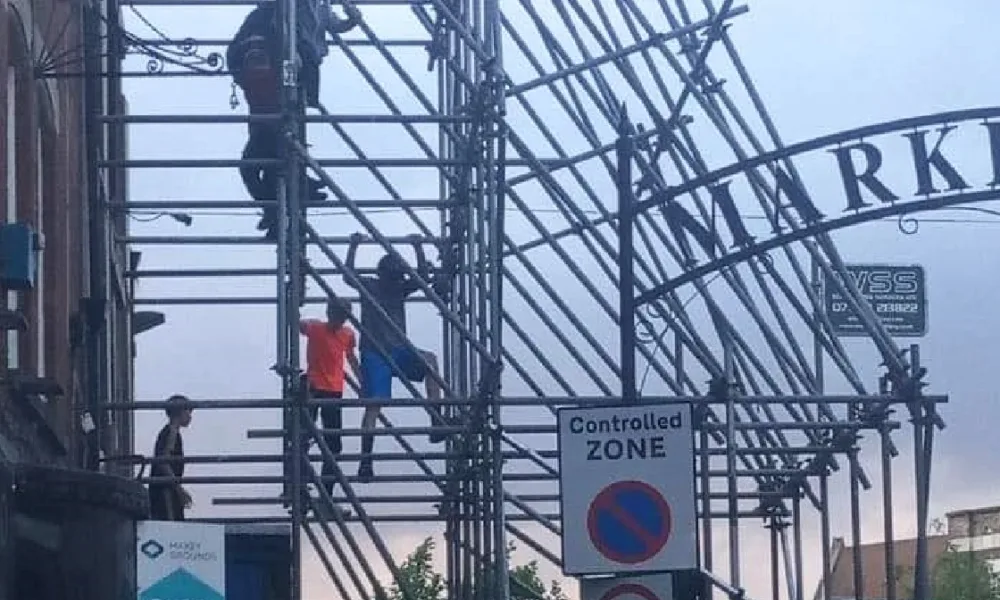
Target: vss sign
886,280
896,293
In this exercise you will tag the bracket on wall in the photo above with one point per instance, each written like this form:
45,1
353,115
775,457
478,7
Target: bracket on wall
56,59
145,320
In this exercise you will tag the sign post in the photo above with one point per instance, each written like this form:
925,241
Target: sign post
180,561
627,494
647,587
896,293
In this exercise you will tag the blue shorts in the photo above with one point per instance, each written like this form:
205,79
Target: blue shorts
376,373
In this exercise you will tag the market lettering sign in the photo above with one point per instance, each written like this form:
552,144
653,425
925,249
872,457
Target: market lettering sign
866,192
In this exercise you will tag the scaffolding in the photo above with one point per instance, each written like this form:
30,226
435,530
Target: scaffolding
513,132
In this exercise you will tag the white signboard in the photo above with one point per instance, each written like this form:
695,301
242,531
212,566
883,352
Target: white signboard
180,561
644,587
626,478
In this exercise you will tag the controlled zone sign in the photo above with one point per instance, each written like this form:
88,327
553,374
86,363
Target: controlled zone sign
626,477
180,561
896,293
644,587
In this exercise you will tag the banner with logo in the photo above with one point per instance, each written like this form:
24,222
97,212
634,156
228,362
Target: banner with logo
181,561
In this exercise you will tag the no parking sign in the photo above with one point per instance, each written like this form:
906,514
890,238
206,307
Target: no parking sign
648,587
629,522
627,489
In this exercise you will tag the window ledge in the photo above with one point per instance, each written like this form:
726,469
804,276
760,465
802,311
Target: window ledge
27,392
11,320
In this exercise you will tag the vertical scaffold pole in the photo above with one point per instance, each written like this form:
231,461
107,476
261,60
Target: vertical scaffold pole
626,259
497,200
290,281
889,536
95,308
923,429
732,485
447,280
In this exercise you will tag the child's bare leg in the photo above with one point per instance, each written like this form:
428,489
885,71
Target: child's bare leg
433,395
370,418
433,389
368,421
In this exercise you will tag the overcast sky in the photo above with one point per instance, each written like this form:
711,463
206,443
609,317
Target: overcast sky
819,67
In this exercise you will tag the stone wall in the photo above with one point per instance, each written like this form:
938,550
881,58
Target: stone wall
974,523
25,435
74,534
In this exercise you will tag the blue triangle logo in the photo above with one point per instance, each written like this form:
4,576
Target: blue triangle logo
180,585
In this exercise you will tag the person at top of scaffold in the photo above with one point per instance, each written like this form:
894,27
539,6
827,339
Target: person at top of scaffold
380,343
254,59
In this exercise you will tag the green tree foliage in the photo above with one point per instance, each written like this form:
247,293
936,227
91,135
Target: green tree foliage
418,576
526,584
426,583
964,576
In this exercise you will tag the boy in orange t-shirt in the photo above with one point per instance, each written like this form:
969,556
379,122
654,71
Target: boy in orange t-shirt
328,343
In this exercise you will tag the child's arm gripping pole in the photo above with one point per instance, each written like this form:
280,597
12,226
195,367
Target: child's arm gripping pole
352,360
423,267
352,253
337,26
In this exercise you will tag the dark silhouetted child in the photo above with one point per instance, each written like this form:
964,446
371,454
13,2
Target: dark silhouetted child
168,500
389,289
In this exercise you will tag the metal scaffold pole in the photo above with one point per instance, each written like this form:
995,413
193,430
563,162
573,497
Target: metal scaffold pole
290,282
495,220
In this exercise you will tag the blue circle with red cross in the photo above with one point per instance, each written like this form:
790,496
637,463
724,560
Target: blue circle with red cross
629,522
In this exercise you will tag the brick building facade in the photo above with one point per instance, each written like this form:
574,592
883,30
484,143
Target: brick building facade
66,522
78,339
874,585
970,530
42,173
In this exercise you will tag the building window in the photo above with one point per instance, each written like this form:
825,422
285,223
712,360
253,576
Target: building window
11,212
39,209
54,265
